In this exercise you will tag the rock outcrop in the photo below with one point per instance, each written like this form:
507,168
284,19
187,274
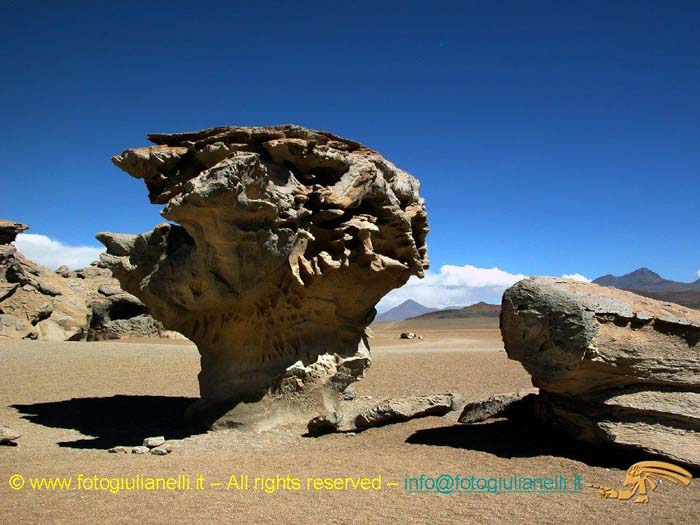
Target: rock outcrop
9,230
612,367
117,314
285,240
65,305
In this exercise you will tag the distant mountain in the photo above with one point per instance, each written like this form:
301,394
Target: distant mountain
475,310
689,298
651,284
403,311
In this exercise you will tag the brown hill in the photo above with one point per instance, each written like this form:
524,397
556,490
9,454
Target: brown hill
480,309
689,298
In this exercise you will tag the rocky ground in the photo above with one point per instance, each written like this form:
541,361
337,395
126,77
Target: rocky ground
73,401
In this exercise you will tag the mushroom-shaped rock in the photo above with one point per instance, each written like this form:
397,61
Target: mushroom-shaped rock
285,240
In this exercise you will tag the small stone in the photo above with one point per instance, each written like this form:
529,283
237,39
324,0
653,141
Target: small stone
8,436
140,450
109,289
160,451
168,445
407,335
119,450
152,442
64,271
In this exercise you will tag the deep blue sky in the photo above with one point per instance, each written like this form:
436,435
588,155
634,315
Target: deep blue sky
549,137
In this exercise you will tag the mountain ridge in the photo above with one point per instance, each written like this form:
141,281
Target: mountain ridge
648,283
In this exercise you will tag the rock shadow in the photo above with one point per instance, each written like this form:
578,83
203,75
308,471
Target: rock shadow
513,439
116,420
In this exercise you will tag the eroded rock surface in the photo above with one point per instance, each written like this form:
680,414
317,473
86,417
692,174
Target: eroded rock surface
493,407
286,238
612,367
86,304
358,416
9,230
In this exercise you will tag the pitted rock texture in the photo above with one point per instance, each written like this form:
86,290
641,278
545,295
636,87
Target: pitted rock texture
286,238
612,367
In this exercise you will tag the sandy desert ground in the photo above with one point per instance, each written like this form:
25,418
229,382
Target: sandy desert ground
73,401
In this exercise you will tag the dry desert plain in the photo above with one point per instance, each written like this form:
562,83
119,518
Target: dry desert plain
73,401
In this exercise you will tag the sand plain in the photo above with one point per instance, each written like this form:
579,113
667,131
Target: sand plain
73,401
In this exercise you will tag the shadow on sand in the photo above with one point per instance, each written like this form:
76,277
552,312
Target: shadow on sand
117,420
509,439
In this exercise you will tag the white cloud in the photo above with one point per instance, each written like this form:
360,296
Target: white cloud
577,277
453,286
473,277
457,286
52,253
697,273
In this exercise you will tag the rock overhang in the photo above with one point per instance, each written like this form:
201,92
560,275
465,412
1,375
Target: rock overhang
284,241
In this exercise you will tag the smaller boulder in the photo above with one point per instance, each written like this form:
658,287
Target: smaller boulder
152,442
407,335
110,289
140,450
50,330
13,327
64,271
497,406
358,418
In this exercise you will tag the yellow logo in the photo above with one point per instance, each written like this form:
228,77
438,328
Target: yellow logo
642,478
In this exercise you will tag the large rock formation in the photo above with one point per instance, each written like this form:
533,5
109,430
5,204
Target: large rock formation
285,240
65,305
612,367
